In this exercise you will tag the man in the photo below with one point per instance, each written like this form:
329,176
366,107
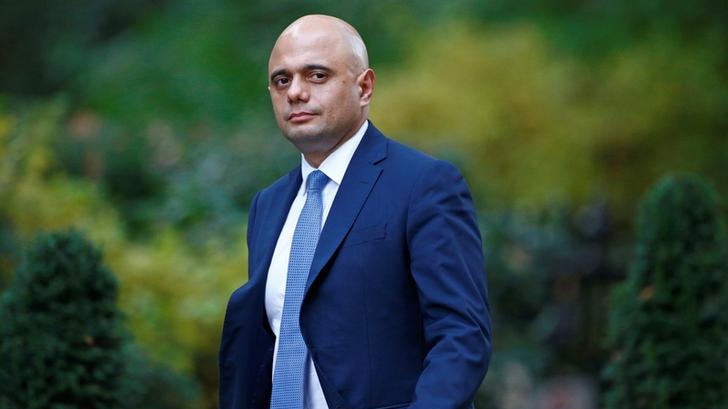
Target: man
366,285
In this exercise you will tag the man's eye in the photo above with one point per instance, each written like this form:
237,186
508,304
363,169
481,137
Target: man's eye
318,76
280,82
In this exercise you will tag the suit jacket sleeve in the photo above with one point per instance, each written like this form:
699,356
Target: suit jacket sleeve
251,226
448,268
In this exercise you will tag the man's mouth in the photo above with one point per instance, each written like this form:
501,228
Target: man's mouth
300,116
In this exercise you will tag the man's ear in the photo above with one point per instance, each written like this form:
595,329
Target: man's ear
366,82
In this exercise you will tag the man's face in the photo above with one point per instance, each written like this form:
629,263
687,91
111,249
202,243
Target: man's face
315,90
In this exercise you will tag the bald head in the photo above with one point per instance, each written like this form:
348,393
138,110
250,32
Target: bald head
338,35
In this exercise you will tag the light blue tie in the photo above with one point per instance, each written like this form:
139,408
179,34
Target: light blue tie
288,376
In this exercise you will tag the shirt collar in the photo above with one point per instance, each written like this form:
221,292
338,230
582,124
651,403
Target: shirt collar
334,166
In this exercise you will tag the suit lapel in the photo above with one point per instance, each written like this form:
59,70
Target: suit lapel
361,175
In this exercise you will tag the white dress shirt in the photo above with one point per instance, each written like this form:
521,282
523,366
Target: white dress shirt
334,166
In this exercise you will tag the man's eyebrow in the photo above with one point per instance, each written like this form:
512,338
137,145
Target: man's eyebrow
278,72
311,67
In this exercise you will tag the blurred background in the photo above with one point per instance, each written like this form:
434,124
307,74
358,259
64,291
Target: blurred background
147,126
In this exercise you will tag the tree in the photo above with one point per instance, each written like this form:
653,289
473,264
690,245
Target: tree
62,337
668,329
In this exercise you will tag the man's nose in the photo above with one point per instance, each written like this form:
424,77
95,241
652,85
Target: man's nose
298,90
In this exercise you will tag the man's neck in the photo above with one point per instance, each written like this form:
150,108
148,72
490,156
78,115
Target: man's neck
315,159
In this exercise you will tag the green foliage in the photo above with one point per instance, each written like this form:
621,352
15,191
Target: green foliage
62,339
668,327
164,132
173,290
198,180
61,334
531,127
206,62
44,43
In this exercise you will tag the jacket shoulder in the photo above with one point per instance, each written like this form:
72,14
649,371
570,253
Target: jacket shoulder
414,162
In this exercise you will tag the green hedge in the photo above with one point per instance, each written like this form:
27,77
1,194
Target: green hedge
668,328
63,343
62,335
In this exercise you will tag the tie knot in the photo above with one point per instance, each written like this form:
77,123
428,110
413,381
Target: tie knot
316,181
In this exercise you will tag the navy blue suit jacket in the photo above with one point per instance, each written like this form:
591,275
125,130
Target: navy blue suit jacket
395,312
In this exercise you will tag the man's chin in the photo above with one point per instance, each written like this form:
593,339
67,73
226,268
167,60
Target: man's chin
304,140
301,135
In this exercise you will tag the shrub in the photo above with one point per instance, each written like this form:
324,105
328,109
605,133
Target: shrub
61,334
668,328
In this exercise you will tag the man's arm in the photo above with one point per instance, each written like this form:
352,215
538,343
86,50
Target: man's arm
249,234
448,268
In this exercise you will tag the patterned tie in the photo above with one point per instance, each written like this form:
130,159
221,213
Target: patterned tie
288,376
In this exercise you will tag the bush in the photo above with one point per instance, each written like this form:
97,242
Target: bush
62,339
61,333
668,329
